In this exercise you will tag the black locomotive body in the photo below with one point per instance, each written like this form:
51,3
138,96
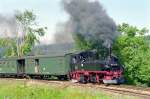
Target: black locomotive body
87,67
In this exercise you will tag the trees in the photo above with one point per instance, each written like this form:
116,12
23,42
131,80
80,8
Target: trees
133,51
30,30
8,47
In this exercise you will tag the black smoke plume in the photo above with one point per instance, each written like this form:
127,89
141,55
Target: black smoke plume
62,34
89,19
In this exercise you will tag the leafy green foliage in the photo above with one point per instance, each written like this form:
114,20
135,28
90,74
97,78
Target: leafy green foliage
9,46
81,43
134,52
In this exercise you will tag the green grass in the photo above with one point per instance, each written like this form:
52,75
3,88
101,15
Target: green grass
19,90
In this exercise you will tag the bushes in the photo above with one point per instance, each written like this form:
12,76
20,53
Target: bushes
134,52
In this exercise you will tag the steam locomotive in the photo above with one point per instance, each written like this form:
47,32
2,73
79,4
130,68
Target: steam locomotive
86,67
81,67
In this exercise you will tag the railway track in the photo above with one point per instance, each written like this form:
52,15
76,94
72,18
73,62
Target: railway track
123,89
126,91
143,93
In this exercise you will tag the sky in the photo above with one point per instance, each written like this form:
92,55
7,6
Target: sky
50,12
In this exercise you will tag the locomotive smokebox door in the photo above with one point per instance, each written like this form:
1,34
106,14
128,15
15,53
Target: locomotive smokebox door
21,66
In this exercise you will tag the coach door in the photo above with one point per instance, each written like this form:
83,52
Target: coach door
37,67
21,66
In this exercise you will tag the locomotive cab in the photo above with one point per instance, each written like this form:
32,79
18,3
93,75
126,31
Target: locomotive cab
83,61
85,67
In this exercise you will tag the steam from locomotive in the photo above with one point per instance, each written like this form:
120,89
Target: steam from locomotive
89,19
8,26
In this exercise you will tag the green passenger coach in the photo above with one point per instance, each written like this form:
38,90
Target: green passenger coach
48,66
36,66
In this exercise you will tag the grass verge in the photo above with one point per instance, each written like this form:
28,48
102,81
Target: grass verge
19,90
